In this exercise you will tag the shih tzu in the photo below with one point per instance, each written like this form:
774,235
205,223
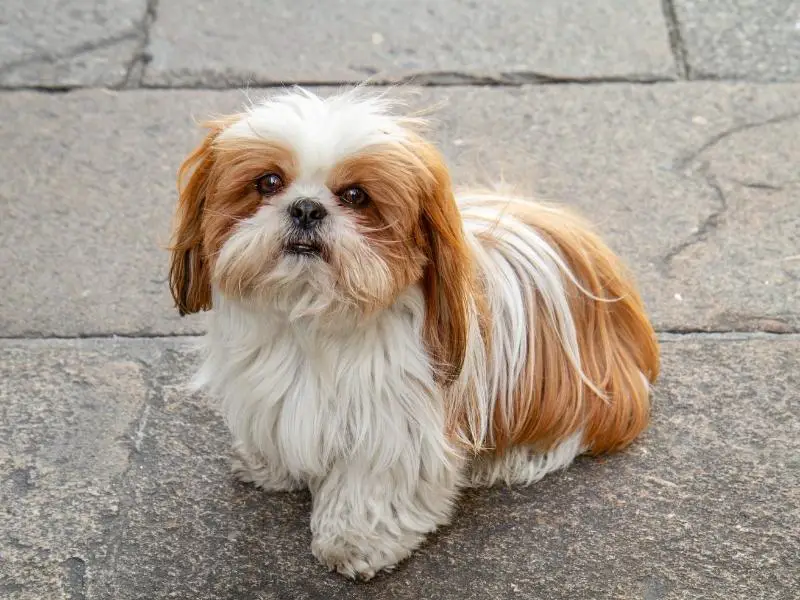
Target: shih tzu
384,342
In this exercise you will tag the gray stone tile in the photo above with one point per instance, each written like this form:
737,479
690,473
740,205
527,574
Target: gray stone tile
667,172
87,213
694,185
699,507
69,42
741,39
221,44
68,420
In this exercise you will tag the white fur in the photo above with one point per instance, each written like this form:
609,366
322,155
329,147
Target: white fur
352,412
321,131
517,265
522,466
317,395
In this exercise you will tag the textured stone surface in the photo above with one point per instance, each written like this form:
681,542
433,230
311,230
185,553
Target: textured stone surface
114,479
741,39
220,44
69,42
115,485
68,418
693,184
86,215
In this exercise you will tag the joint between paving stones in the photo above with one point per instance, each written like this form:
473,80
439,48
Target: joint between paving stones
676,40
135,70
724,336
433,79
673,331
133,81
144,335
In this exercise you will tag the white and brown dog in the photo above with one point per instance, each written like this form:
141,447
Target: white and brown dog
385,342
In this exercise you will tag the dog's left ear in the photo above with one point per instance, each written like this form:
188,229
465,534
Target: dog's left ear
190,273
448,277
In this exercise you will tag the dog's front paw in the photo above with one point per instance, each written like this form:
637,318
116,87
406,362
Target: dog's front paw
357,559
249,469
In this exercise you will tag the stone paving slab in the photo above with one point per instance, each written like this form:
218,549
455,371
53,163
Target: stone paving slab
115,484
68,415
695,185
217,43
741,39
70,42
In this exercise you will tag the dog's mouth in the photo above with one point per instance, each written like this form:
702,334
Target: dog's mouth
312,249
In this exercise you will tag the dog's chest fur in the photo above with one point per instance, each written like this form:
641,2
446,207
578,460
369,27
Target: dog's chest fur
308,394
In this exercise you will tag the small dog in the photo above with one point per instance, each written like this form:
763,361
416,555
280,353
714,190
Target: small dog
384,342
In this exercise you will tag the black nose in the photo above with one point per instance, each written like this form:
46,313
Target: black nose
307,213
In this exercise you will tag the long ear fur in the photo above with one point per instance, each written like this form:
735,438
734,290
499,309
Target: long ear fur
448,278
189,273
607,394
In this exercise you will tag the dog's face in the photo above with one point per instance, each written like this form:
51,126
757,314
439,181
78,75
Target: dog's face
319,206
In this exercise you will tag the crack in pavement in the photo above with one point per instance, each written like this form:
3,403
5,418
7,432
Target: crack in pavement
114,536
70,53
687,160
716,218
706,228
756,185
140,430
140,31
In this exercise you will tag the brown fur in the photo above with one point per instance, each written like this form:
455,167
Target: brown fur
216,189
388,220
415,225
616,343
449,279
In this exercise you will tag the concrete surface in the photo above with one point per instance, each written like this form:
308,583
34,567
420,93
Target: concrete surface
136,501
114,479
220,44
667,173
741,39
70,42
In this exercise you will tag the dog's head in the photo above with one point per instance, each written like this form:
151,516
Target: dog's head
318,206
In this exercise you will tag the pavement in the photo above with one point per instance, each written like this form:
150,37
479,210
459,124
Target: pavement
673,125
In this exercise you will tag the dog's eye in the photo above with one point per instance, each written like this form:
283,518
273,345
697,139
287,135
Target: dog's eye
269,184
354,196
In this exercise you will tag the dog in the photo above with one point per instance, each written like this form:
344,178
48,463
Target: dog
385,342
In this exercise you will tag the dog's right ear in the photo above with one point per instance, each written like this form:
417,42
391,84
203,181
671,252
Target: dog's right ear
190,273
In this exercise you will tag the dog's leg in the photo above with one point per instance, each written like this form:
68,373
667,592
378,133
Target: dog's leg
250,468
368,519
